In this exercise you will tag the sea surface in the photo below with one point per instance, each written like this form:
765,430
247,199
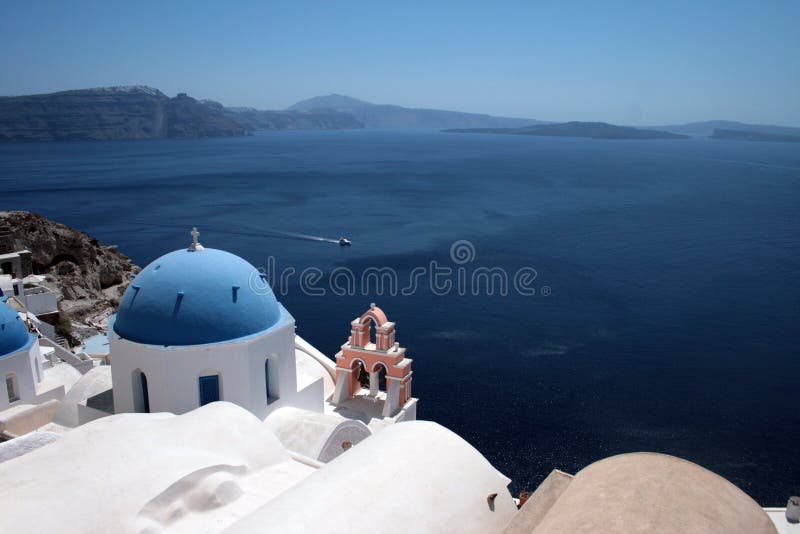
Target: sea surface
667,274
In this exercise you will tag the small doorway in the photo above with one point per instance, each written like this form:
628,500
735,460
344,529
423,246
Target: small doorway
209,389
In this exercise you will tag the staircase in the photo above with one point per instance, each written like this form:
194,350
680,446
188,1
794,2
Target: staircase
82,361
61,340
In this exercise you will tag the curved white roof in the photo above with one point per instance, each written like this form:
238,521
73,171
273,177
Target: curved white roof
316,435
195,472
219,467
411,477
24,444
97,380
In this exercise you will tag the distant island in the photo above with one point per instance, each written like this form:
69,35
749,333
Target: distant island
706,128
594,130
390,116
739,135
142,112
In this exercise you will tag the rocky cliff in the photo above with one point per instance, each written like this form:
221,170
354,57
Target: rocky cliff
391,116
90,277
322,119
136,112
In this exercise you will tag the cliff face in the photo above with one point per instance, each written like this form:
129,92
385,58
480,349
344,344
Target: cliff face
90,277
389,116
321,119
185,117
137,112
141,112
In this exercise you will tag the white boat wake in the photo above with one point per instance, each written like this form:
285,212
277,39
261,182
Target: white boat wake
249,232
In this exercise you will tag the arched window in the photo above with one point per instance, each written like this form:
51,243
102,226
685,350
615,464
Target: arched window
360,375
266,377
209,389
373,331
11,387
145,394
272,389
141,395
380,371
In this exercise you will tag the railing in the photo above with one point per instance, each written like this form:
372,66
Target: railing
81,361
310,462
306,348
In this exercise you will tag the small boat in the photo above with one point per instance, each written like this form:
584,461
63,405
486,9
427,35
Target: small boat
344,242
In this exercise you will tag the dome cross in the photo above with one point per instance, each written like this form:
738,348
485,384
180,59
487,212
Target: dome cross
195,243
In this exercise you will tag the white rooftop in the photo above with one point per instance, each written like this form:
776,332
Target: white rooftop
778,517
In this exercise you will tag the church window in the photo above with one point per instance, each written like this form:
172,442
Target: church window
266,377
141,393
209,389
11,386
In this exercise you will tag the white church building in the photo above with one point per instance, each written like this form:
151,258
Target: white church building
20,359
200,325
28,378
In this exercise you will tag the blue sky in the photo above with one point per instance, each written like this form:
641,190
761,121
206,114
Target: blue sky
637,62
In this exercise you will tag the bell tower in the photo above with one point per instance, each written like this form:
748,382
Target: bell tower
372,347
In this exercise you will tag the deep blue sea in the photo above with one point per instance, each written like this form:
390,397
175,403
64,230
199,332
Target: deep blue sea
673,272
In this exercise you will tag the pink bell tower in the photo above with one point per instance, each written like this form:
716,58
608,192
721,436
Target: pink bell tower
383,354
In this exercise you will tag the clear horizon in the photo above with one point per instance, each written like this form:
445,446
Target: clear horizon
617,62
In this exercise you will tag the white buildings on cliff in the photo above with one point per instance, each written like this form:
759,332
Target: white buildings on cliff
26,369
214,415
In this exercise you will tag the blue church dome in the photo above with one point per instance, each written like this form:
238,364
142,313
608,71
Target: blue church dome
13,334
194,297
